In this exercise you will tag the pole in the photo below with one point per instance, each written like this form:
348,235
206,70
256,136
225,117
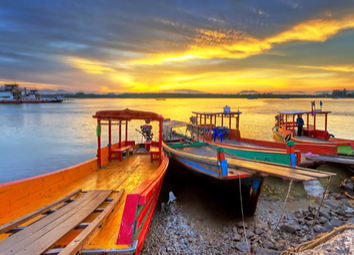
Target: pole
120,133
196,119
126,131
99,145
222,119
293,125
109,141
160,143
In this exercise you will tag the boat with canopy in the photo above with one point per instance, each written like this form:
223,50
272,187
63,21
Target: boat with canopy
245,167
101,206
286,127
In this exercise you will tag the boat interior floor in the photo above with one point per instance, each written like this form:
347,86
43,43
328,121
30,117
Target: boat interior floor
205,150
114,176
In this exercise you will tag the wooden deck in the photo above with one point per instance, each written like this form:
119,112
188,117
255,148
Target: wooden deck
115,176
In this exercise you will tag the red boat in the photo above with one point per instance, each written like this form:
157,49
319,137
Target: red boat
102,206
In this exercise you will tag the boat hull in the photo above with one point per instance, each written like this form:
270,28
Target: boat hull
21,197
344,147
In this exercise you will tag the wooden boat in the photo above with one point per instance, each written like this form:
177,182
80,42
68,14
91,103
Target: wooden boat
311,135
227,163
309,150
102,206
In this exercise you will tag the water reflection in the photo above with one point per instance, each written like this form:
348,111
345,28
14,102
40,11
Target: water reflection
40,138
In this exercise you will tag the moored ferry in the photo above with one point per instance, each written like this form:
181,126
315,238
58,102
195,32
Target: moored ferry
13,94
101,206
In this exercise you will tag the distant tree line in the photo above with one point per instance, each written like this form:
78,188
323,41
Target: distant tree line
336,93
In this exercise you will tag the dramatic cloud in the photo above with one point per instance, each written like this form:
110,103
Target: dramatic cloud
118,46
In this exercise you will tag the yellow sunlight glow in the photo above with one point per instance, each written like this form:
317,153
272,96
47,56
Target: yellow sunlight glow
89,66
235,44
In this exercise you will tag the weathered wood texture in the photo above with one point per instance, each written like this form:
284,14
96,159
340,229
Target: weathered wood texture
38,237
92,230
13,224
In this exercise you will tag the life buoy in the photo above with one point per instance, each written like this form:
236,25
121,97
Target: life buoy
287,138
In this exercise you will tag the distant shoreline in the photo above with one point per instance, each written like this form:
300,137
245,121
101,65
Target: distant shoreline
183,95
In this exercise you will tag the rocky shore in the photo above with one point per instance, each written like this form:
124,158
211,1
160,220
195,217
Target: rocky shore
175,230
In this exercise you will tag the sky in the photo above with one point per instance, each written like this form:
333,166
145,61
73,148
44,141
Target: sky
223,46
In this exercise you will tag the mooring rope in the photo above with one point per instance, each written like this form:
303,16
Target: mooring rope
281,215
318,240
313,222
243,219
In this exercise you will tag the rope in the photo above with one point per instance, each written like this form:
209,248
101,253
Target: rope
282,212
243,220
314,220
318,240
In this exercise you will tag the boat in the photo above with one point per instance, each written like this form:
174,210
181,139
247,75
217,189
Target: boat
227,124
13,94
101,206
252,97
245,167
312,135
160,99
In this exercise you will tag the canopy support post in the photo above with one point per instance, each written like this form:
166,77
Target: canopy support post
160,143
293,125
222,120
215,120
126,131
307,122
120,133
99,145
109,141
325,121
196,119
314,123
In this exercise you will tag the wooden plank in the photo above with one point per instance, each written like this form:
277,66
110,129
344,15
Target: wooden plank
13,224
45,239
30,234
295,173
92,230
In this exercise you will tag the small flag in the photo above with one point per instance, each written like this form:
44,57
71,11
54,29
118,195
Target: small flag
313,113
321,103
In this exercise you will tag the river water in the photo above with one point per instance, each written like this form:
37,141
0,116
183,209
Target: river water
41,138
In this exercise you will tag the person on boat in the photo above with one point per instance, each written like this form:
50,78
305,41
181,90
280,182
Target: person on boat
300,123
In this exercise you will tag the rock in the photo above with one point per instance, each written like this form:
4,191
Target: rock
324,214
241,224
268,245
264,236
237,237
308,223
249,234
298,214
318,229
234,229
263,251
323,220
328,226
288,228
258,231
336,223
242,247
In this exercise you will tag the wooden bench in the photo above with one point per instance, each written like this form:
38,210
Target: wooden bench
37,237
126,147
154,150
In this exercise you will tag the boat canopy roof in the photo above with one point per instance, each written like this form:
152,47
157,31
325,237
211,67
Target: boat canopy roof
215,113
174,123
126,115
303,112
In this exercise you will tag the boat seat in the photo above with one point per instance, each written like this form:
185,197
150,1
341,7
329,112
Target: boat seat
128,145
154,150
38,237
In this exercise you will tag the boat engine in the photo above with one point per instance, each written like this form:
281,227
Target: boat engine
146,132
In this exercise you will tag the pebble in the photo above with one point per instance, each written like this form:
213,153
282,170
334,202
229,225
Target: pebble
336,223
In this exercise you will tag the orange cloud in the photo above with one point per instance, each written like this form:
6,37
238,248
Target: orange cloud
349,68
89,66
235,44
